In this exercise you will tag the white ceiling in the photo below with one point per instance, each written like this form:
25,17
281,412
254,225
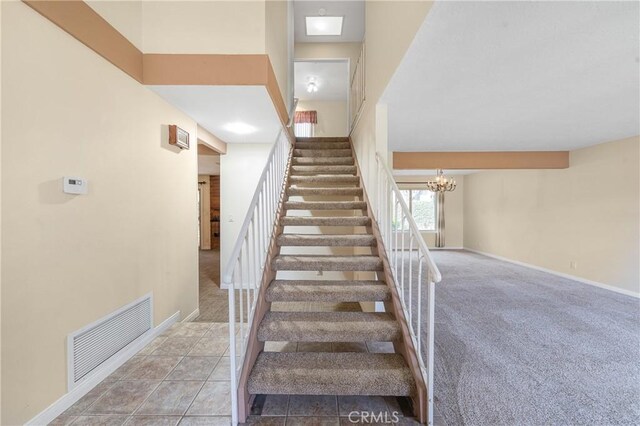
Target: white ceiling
331,77
518,76
214,106
352,26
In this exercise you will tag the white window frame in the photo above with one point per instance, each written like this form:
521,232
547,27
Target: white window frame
410,204
304,130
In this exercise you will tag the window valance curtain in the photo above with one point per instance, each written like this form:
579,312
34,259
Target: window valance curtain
306,117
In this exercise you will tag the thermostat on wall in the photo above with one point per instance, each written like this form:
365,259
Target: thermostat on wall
74,185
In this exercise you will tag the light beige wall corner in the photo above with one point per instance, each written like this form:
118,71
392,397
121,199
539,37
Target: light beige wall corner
349,51
332,117
390,29
240,170
205,212
453,211
276,43
74,259
233,27
588,214
0,215
210,140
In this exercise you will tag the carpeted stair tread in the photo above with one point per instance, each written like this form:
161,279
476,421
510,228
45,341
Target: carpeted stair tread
321,152
297,190
323,170
327,291
356,240
325,179
328,327
336,161
326,263
322,145
326,221
325,205
321,373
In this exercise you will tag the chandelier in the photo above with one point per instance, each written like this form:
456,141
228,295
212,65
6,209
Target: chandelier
441,183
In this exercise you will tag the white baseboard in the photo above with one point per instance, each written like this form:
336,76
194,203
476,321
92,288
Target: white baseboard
559,274
101,373
193,315
446,248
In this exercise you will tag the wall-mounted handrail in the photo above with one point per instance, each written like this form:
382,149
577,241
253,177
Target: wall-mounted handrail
292,113
413,269
246,266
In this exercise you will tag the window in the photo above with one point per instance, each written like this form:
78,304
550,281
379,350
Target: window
304,130
305,123
422,205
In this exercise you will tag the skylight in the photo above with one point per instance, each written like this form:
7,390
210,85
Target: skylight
324,25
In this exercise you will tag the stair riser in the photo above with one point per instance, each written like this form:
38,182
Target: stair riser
322,241
342,161
304,334
326,266
322,170
321,205
325,221
321,153
323,139
325,179
322,145
328,294
303,383
324,191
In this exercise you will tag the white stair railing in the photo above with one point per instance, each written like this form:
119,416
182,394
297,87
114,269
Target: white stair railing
357,88
243,273
414,271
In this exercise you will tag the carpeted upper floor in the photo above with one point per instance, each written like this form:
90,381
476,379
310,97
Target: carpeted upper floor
515,346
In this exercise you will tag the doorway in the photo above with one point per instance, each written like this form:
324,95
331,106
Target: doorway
212,300
322,89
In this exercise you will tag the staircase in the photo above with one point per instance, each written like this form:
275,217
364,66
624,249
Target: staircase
325,168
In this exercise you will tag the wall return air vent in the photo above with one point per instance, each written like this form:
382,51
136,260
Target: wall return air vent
93,345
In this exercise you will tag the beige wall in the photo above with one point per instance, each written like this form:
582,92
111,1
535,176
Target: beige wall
332,117
69,260
203,27
453,212
329,51
276,43
207,27
124,16
586,214
0,217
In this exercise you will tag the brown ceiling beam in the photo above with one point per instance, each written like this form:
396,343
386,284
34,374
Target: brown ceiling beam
88,27
481,160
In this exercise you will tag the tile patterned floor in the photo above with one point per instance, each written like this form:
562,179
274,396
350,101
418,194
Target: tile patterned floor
214,302
182,377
